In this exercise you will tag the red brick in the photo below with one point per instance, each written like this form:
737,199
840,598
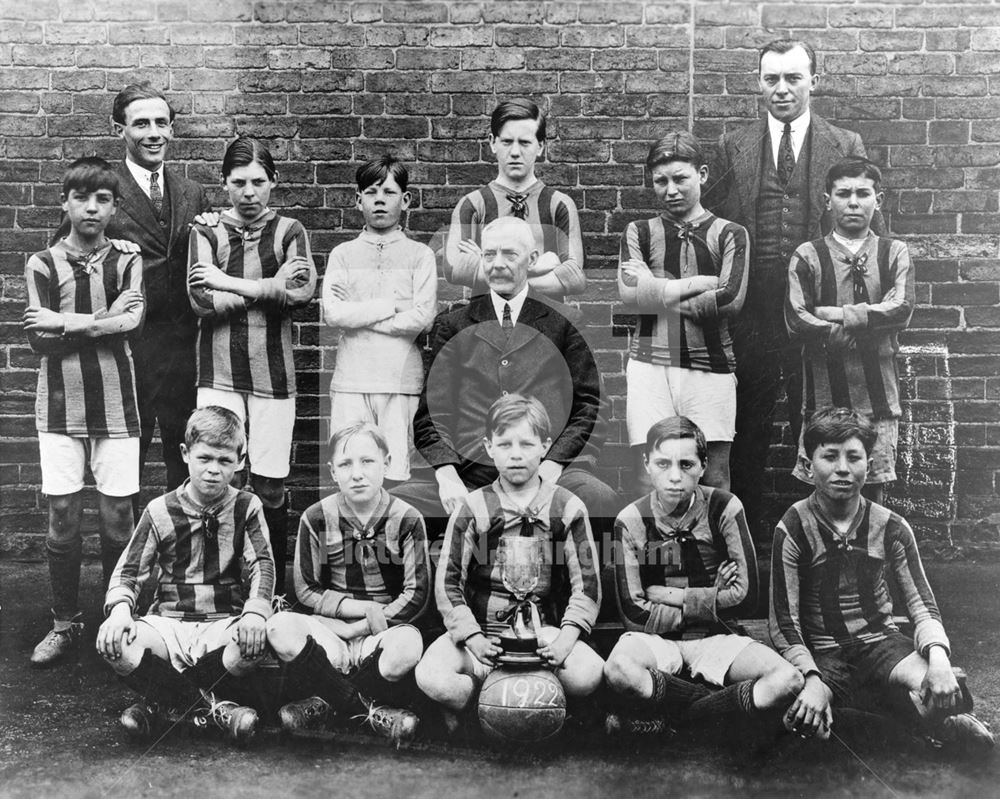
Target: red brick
952,86
617,12
464,13
396,35
20,32
978,63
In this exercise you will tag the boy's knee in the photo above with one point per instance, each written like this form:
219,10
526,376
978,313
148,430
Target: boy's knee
271,490
284,636
619,670
403,653
63,515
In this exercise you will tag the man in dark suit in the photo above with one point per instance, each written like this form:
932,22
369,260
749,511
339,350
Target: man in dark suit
769,177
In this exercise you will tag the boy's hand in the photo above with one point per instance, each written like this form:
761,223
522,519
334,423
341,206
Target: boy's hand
840,340
117,625
545,263
339,291
126,301
469,247
43,320
810,714
632,270
403,305
295,269
485,650
555,653
940,690
665,595
830,313
208,276
251,635
207,218
703,283
124,245
451,489
550,471
728,574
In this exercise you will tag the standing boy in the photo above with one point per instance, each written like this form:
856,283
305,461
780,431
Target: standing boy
517,139
849,295
469,585
381,291
84,298
831,610
199,633
685,565
686,273
362,571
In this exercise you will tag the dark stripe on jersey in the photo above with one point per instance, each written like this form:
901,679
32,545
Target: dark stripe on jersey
110,276
868,570
840,388
645,323
239,334
274,320
466,213
182,532
354,553
559,233
56,400
490,209
91,375
886,275
829,588
711,333
779,586
868,350
545,219
828,275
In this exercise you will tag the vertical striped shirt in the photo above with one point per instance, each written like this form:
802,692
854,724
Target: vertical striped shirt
86,381
830,590
244,346
823,273
384,560
554,221
469,584
200,552
698,333
652,548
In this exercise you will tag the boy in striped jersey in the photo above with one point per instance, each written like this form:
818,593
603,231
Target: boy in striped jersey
849,295
84,299
685,271
831,608
517,139
685,567
199,633
362,573
469,585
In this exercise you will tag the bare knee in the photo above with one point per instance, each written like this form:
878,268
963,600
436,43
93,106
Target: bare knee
286,635
780,687
271,490
620,670
64,517
402,652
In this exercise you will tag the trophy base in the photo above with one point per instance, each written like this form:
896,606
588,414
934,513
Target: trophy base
519,651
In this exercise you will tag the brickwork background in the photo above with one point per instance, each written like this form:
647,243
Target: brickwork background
333,82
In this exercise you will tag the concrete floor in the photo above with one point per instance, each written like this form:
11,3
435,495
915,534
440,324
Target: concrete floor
59,736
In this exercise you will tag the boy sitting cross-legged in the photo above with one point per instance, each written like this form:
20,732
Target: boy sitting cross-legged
684,563
363,571
199,633
469,584
831,610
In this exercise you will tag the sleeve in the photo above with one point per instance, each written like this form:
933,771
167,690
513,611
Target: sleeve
726,301
570,272
417,319
37,278
580,553
453,570
921,607
800,302
295,290
580,435
638,613
259,562
134,565
463,269
413,553
892,314
784,621
629,250
431,431
310,558
97,325
349,314
208,302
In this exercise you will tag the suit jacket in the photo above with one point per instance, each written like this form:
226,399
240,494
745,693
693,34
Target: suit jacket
473,363
735,176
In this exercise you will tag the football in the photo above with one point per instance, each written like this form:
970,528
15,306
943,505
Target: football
521,706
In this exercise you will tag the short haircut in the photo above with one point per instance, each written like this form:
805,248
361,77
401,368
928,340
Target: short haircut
133,92
512,110
853,166
676,146
780,46
90,174
376,171
344,434
674,428
245,151
513,408
835,426
217,427
522,232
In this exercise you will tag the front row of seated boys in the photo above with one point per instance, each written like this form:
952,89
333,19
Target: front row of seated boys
684,569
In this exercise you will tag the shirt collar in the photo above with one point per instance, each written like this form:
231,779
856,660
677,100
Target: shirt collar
382,238
667,523
830,528
516,304
799,126
141,175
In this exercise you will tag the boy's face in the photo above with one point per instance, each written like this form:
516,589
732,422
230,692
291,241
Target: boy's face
89,211
674,469
517,148
506,261
211,469
383,204
358,467
249,190
786,81
517,452
146,132
677,185
839,470
852,203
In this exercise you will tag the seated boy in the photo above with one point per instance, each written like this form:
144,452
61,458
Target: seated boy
199,632
363,571
84,299
469,585
831,610
684,563
849,295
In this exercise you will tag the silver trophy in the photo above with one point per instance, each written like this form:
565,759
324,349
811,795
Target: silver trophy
521,559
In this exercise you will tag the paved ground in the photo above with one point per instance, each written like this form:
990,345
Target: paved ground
59,736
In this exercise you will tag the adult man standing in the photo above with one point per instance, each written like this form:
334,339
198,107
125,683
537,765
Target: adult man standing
769,177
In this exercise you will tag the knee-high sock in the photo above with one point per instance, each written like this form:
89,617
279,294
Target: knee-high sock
310,673
733,700
158,682
371,684
277,531
674,694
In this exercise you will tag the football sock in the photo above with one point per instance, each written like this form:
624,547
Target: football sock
675,694
277,532
158,682
310,673
372,684
733,700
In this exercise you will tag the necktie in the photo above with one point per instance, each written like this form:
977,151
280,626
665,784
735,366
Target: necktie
507,323
786,156
859,268
519,205
155,194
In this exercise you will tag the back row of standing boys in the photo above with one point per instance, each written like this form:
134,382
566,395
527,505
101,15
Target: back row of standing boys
683,558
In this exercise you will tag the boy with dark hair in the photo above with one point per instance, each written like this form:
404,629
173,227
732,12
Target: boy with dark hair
84,299
199,632
685,566
849,295
831,609
362,570
469,585
381,291
517,139
685,271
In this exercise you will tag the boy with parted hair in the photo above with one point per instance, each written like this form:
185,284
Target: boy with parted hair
831,616
200,634
85,298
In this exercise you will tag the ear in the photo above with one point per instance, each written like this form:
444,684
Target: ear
703,174
493,144
65,205
357,200
117,128
185,455
807,466
879,199
407,199
813,81
826,201
488,446
547,445
871,465
333,474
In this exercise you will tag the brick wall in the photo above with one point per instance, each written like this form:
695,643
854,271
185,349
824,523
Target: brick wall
331,83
